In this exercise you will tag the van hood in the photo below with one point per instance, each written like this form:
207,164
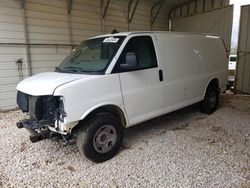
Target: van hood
46,83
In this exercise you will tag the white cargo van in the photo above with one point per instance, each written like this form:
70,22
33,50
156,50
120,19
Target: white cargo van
115,81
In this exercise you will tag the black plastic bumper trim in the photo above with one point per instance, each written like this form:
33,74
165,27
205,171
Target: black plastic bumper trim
31,126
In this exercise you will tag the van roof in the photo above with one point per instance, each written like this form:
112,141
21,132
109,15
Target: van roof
157,32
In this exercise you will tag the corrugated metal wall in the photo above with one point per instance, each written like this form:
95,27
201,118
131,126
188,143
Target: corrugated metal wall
52,31
218,21
47,24
206,16
11,31
243,55
196,7
86,19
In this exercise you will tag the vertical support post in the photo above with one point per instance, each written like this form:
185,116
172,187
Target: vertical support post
153,17
221,3
130,17
70,29
188,8
195,7
104,9
212,4
203,5
69,7
26,37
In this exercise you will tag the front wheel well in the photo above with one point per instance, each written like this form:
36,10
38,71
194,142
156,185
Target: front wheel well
115,110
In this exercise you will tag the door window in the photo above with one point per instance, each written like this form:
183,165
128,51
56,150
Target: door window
143,47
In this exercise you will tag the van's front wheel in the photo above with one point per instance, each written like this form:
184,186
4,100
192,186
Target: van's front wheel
211,100
102,137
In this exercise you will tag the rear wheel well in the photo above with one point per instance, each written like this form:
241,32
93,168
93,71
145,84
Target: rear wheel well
213,83
116,111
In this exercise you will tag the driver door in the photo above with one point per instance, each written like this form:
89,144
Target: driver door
142,87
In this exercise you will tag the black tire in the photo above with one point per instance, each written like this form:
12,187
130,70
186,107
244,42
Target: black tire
210,101
91,139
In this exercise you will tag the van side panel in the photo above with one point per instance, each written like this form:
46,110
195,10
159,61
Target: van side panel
189,62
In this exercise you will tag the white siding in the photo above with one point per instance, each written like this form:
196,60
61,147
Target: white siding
217,21
9,75
47,21
142,17
11,31
161,22
47,24
208,5
116,17
243,56
192,8
85,19
201,6
184,10
44,59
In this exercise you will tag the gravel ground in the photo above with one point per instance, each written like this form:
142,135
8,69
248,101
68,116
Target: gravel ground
182,149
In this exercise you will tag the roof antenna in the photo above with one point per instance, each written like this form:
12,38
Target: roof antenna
115,31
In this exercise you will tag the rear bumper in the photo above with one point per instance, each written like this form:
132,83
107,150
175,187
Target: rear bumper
38,130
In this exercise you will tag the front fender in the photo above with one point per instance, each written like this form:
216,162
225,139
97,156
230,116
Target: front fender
90,110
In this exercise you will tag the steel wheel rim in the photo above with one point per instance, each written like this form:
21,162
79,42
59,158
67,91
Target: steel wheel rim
105,139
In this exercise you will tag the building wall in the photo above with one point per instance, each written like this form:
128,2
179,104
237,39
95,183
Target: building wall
242,84
52,32
11,31
47,24
197,6
205,16
218,21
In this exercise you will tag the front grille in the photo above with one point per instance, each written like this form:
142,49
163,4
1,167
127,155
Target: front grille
44,109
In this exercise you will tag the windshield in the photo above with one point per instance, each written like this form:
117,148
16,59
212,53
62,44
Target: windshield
92,56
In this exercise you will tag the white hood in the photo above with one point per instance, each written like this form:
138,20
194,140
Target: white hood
46,83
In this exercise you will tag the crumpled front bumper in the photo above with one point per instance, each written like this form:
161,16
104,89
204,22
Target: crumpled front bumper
38,130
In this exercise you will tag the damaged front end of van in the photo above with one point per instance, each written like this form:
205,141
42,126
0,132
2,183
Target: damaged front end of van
45,113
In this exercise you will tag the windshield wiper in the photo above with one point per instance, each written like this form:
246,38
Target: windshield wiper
73,69
68,69
57,69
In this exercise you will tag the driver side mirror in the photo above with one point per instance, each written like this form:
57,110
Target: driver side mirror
130,61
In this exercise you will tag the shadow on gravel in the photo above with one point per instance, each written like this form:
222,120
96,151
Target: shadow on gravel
174,121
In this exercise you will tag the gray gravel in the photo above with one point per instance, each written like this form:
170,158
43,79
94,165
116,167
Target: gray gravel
182,149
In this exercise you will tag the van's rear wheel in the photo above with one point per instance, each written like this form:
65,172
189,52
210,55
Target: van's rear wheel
102,137
211,100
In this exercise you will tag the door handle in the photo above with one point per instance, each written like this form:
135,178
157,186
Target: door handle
160,75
